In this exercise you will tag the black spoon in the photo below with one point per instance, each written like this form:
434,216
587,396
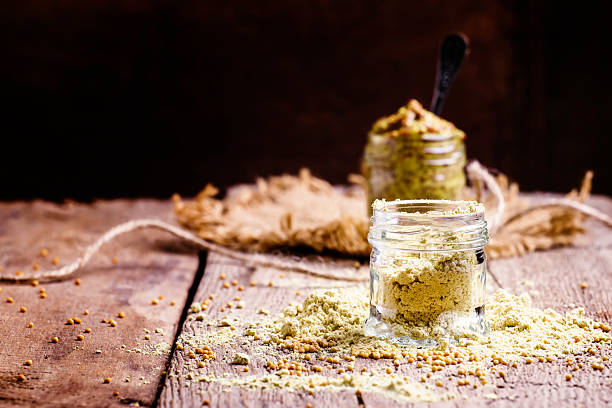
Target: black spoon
453,51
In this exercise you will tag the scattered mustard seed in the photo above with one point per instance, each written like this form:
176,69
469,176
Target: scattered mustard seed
34,282
252,283
85,312
23,309
10,300
56,261
28,362
234,282
77,282
114,260
225,285
222,276
583,285
161,297
121,315
80,337
54,340
21,377
211,296
270,283
172,303
43,295
44,252
568,377
87,330
35,267
107,380
298,293
18,273
116,394
154,302
240,288
76,320
69,322
30,325
112,323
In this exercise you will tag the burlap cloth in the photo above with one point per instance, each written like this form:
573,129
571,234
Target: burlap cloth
305,211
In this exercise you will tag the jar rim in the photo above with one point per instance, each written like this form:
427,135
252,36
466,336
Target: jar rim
435,208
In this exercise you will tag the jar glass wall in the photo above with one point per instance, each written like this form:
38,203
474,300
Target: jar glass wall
428,273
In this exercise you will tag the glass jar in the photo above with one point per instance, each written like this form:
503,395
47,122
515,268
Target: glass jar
427,271
414,154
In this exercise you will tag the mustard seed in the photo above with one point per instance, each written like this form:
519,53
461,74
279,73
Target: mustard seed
54,340
10,300
172,303
80,337
21,377
87,330
28,362
77,282
56,261
225,285
252,283
30,325
85,312
121,315
23,309
34,283
114,260
44,252
107,380
154,302
69,322
234,282
43,295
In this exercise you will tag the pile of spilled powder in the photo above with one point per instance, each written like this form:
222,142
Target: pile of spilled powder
518,329
316,345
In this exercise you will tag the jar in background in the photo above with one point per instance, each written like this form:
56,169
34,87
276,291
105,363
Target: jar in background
414,154
427,271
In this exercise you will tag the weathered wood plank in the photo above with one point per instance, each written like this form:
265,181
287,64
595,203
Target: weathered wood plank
179,392
71,373
526,385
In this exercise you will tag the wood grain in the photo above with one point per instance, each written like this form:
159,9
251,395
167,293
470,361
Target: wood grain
71,373
556,274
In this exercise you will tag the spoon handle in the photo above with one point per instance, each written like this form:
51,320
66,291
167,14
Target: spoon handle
453,51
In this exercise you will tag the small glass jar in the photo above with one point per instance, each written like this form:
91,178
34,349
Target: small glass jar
427,271
414,154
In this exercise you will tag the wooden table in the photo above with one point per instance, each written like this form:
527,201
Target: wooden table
139,357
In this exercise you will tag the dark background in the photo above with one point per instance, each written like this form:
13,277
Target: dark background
147,98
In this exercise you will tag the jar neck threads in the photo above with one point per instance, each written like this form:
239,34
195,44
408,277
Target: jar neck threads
428,225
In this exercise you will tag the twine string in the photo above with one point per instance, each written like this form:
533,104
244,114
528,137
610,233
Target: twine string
320,269
261,260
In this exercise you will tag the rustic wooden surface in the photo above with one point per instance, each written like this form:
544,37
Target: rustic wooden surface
71,373
555,274
152,264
